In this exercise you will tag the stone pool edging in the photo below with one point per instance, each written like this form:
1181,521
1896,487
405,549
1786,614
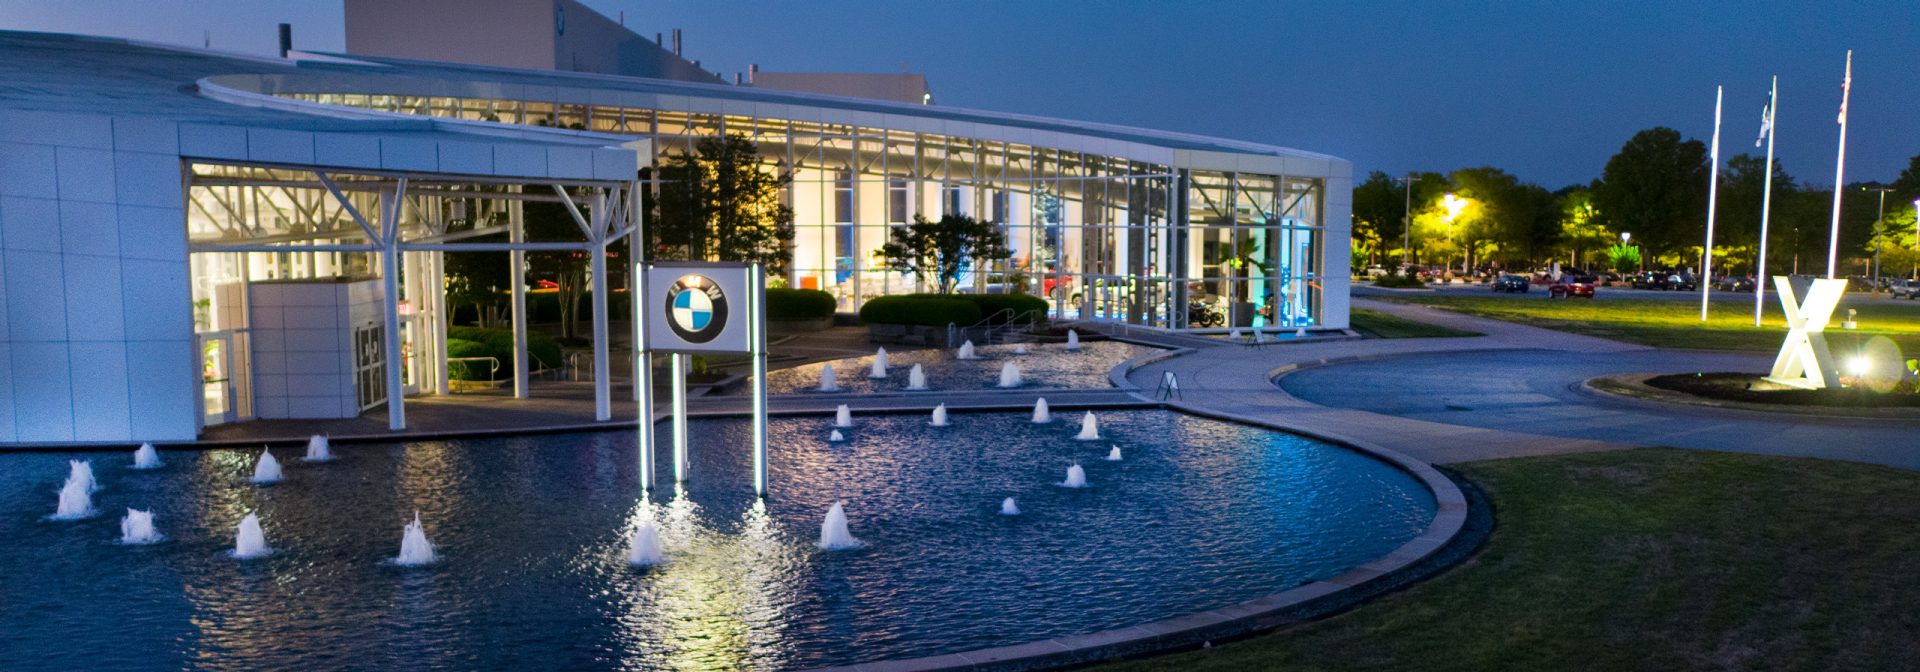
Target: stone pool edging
1117,376
1235,620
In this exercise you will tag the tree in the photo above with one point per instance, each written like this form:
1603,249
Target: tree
1580,228
1656,188
481,280
1379,215
938,252
723,203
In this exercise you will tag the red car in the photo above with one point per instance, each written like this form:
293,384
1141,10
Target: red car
1571,286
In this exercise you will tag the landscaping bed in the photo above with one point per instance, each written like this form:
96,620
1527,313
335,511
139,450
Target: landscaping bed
1752,389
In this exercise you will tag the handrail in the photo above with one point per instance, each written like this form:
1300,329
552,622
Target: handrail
492,362
1013,319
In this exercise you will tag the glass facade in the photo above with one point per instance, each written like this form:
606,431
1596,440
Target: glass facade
1099,237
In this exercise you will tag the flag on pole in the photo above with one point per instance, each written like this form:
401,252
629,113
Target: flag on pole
1766,124
1846,87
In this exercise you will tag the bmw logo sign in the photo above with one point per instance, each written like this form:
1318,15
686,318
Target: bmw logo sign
696,308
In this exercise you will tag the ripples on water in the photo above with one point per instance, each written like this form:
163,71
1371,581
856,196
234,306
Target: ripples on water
532,534
1045,365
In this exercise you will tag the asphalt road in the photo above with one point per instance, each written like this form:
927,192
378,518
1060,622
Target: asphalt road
1539,293
1536,391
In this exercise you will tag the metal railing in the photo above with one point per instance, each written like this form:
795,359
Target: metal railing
458,365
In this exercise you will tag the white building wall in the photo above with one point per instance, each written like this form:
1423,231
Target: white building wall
97,340
1336,276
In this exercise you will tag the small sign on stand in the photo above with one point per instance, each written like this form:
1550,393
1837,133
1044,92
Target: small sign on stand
689,308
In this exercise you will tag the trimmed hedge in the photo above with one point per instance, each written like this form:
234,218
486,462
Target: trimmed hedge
798,305
930,310
499,343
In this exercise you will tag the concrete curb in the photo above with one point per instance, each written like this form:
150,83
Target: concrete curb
1118,374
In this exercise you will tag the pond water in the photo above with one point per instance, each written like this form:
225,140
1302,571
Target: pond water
1046,365
532,534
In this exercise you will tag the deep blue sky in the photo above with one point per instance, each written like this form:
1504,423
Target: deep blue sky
1544,90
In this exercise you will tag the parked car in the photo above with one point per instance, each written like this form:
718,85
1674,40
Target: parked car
1904,289
1651,280
1570,286
1508,282
1736,283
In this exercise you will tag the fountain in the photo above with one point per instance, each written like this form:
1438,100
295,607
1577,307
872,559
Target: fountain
145,457
828,383
940,415
966,351
137,528
82,471
1009,375
1008,508
1113,455
76,498
1259,336
1300,333
879,369
318,449
415,550
1020,349
843,417
836,437
1089,428
1040,414
833,531
1234,335
248,540
1076,477
916,379
1073,341
267,470
643,550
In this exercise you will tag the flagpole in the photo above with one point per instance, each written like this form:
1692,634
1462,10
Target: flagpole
1766,203
1713,196
1839,171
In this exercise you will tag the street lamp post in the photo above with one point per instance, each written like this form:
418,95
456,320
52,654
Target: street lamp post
1406,225
1455,204
1879,229
1916,238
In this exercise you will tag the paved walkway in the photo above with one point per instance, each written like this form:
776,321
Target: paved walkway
1513,392
1236,381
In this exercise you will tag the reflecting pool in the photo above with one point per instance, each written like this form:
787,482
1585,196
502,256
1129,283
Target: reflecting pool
531,538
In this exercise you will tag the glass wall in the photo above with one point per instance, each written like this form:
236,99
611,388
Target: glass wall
1099,237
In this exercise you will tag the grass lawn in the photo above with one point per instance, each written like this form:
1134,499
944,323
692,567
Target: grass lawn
1382,325
1676,324
1654,559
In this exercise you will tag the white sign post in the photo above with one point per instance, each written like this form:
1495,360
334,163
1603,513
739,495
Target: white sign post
698,308
1804,359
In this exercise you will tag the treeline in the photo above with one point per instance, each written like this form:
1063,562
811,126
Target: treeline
1655,191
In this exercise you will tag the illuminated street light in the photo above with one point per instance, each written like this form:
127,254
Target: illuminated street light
1453,204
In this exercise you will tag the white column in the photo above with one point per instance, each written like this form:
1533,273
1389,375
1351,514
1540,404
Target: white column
390,262
441,315
757,342
602,387
517,279
679,391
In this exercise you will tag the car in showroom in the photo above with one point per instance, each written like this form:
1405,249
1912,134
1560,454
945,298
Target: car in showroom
1509,282
1569,286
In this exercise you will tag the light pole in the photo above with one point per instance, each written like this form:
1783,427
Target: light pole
1916,238
1455,204
1879,229
1406,225
1626,237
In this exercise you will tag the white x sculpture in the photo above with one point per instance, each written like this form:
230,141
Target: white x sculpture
1804,360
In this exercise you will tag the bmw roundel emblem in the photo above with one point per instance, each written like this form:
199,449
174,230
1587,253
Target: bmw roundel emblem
696,308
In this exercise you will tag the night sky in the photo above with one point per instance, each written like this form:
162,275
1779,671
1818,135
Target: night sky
1546,91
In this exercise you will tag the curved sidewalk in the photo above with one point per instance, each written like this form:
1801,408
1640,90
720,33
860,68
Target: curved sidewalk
1235,381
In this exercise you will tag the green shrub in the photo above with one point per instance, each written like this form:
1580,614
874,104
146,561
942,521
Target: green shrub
796,305
1399,281
457,348
920,309
1024,306
499,343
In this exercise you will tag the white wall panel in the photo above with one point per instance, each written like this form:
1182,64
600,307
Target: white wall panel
30,224
6,390
28,170
85,174
213,141
42,398
159,234
101,405
160,386
342,149
273,145
89,228
94,308
140,134
54,128
148,179
157,301
36,297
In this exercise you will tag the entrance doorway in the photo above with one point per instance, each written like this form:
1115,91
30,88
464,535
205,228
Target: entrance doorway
216,378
